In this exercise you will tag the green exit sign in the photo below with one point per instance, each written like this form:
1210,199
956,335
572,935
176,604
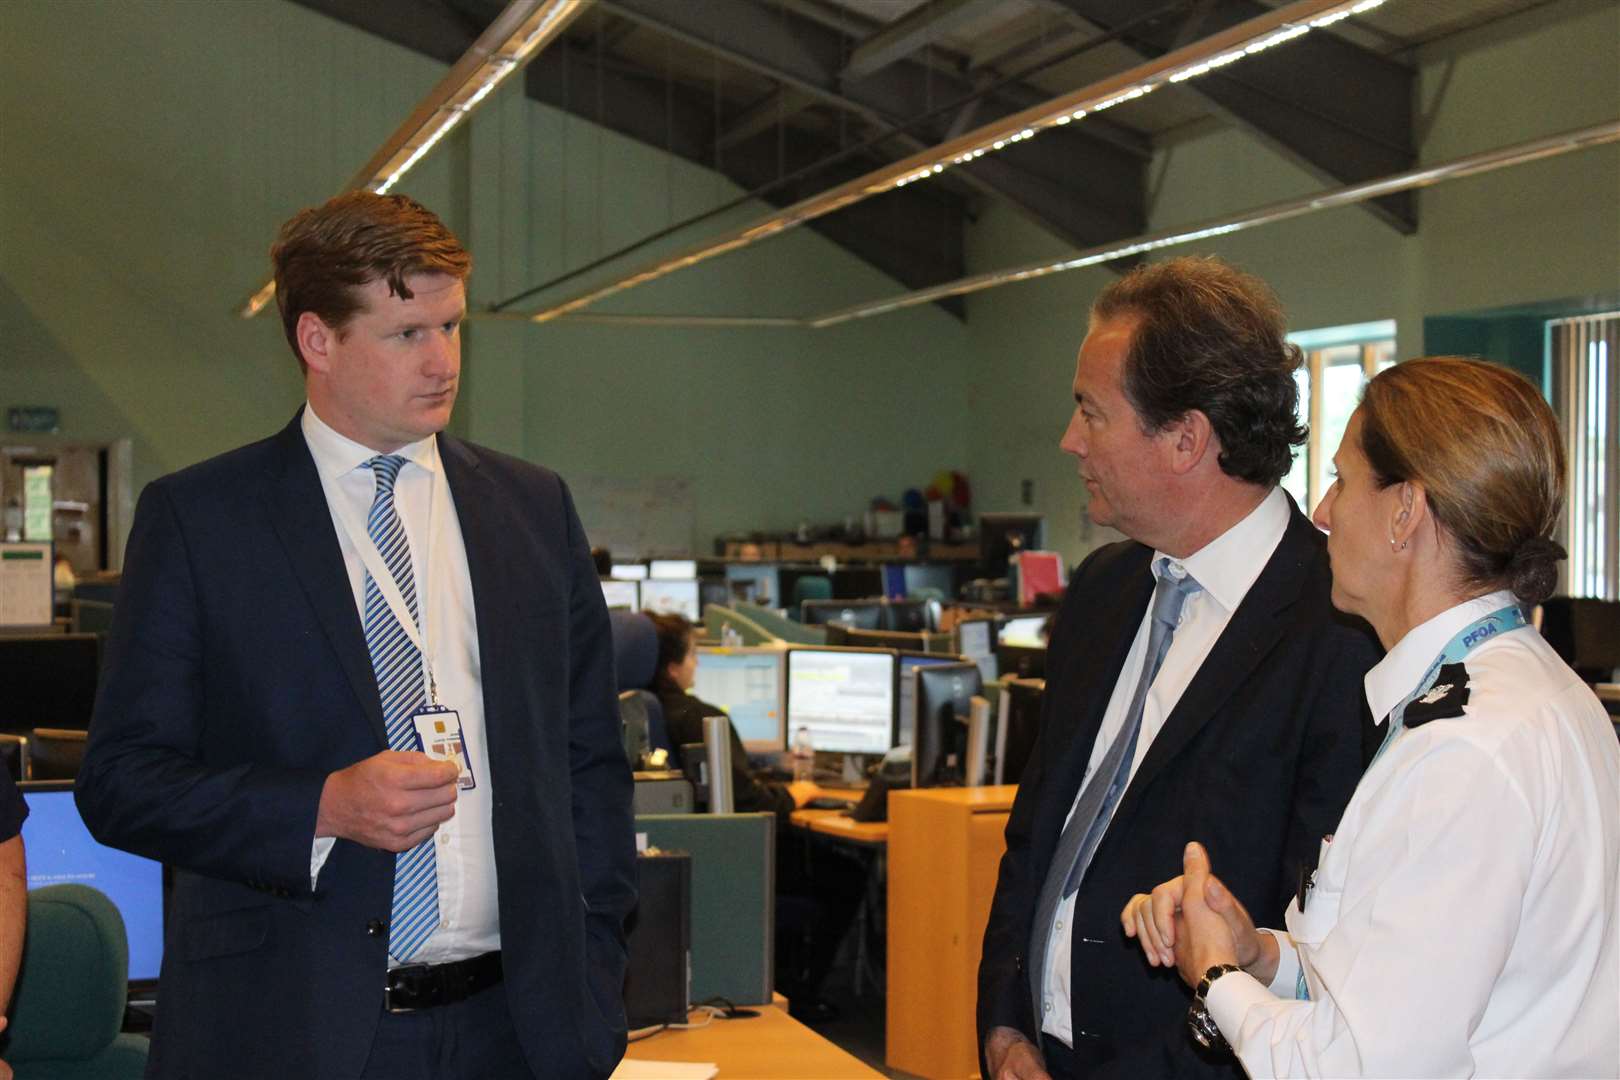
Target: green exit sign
35,419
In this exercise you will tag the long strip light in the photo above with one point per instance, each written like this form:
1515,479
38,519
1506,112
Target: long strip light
515,37
1426,176
1228,46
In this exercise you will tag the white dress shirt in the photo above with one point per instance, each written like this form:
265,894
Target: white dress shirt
1226,567
469,921
1463,920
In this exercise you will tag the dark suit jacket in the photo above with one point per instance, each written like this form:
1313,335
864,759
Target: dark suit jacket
1257,760
237,678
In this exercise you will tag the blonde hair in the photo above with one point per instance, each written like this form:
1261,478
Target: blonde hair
1485,446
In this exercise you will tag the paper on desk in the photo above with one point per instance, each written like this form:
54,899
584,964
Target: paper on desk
665,1070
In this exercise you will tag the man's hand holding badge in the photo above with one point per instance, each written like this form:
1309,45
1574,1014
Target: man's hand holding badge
392,800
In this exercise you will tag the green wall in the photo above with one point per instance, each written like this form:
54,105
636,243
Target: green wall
1536,232
148,152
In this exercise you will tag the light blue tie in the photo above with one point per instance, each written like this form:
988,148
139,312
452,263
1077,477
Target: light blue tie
1080,837
398,666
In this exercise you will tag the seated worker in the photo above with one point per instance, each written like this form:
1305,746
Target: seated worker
817,891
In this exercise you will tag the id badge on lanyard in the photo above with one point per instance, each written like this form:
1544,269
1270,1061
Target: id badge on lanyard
438,729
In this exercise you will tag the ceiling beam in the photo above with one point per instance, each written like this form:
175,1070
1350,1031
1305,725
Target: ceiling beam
643,106
1340,111
774,108
807,56
922,26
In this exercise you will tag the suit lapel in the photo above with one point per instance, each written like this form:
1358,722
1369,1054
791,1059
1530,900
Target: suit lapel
482,516
303,522
1253,631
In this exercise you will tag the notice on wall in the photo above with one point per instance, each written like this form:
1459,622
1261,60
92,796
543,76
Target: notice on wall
25,584
637,518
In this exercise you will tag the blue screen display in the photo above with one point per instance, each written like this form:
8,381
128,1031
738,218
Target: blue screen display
60,850
748,685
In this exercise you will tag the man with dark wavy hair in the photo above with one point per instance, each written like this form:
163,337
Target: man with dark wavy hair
1199,683
359,696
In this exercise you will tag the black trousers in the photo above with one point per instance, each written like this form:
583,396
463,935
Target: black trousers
469,1040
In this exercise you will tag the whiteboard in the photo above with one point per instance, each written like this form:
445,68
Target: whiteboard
637,518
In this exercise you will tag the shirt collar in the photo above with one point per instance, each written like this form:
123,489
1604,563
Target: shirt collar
1397,674
1226,566
336,455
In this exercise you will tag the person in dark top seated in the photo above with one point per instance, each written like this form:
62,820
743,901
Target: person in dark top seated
818,888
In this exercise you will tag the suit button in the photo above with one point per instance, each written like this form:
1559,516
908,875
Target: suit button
376,928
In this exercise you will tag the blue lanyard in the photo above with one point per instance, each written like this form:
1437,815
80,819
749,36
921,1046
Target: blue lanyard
1465,641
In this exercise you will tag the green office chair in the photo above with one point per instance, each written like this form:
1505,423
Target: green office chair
810,587
69,1003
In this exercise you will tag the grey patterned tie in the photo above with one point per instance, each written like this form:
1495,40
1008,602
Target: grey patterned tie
1080,837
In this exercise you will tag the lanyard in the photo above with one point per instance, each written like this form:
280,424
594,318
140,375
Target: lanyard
360,539
1461,644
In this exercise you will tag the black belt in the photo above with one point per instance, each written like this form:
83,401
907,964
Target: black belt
422,986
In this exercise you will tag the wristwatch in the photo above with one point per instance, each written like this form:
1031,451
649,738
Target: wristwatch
1205,1031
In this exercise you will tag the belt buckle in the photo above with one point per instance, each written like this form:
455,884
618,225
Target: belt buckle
409,981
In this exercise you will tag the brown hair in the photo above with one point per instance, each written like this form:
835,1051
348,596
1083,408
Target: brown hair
1484,444
674,643
323,254
1210,337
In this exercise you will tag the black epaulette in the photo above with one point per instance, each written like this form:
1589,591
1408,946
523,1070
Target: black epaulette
1446,699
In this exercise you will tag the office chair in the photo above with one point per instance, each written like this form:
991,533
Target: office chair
635,663
810,587
69,1002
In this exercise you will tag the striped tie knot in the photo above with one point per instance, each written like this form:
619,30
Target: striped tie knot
386,468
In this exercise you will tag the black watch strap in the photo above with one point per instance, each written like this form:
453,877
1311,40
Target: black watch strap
1205,1031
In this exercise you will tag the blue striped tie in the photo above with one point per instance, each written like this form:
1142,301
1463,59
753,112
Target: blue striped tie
398,666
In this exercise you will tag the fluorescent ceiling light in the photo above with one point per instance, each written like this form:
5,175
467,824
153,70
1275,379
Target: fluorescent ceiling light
1228,46
514,38
1426,176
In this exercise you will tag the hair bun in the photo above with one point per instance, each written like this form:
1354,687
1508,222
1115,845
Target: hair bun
1532,571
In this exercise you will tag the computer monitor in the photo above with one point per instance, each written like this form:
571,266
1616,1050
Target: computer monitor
976,640
757,583
859,614
60,850
1021,661
672,569
939,744
671,598
50,681
630,571
1018,726
1002,535
907,699
622,594
56,753
932,578
1023,630
909,615
747,684
846,697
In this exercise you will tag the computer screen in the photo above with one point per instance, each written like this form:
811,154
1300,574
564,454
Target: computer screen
629,571
1020,722
671,598
976,640
747,683
757,583
673,569
622,594
50,681
939,744
1024,630
1004,535
859,614
932,578
909,663
61,850
910,615
844,696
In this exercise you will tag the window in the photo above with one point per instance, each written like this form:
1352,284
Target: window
1338,362
1586,398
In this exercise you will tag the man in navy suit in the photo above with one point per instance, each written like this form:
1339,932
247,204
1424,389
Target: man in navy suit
359,696
1199,684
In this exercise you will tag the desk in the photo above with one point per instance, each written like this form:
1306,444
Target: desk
945,848
836,824
771,1046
